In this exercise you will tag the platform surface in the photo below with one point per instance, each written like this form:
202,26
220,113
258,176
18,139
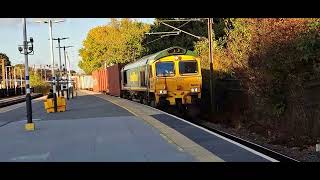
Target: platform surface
92,129
98,127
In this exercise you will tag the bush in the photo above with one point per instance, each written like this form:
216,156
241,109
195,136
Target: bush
38,84
273,58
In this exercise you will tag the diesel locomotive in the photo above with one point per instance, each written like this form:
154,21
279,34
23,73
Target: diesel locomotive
169,77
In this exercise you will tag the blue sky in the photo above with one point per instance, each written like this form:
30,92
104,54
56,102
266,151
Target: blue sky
76,29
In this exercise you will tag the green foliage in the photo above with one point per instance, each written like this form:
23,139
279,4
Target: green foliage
38,84
154,43
117,42
272,57
35,80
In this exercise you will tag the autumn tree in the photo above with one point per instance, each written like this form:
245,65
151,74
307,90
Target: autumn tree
117,42
6,58
274,58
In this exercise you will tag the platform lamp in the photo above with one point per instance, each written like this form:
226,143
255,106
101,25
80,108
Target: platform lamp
50,21
26,49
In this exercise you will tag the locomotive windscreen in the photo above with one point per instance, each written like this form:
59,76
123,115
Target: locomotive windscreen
186,67
165,69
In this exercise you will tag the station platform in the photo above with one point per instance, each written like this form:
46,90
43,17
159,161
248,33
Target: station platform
97,127
16,99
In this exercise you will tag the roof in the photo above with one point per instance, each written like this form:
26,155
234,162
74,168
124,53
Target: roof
175,50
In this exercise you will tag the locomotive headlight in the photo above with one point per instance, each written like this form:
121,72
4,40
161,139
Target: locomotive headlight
194,90
163,91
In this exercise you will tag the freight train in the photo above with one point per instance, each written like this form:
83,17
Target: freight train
166,78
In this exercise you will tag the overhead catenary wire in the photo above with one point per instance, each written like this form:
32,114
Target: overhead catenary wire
168,33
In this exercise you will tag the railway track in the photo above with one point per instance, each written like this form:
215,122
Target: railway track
14,100
266,151
271,153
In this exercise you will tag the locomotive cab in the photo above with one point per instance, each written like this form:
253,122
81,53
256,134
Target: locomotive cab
177,80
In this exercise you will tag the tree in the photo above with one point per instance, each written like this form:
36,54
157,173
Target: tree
155,43
274,58
6,58
117,42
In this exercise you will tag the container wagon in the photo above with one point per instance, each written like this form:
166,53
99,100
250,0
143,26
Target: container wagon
100,80
114,80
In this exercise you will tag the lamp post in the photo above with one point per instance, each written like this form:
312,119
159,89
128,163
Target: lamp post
50,21
27,50
60,74
69,76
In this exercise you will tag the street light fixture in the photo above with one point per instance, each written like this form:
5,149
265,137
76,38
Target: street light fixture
50,21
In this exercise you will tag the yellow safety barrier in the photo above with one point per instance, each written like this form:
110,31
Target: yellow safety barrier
61,103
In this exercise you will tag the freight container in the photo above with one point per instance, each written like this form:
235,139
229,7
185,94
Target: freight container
100,80
86,82
114,80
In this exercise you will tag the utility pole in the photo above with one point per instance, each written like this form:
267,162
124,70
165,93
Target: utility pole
210,22
15,80
64,70
7,83
21,81
60,67
69,76
27,50
45,73
52,70
41,72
